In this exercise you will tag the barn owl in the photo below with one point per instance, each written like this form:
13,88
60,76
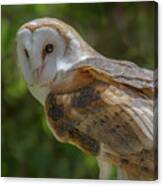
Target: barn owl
103,106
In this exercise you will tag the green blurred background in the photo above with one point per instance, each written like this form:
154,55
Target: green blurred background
117,30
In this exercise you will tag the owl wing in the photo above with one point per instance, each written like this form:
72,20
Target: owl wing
107,114
105,118
121,71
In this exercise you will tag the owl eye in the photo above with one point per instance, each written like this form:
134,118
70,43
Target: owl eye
26,53
49,48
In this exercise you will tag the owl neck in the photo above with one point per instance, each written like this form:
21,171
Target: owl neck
77,49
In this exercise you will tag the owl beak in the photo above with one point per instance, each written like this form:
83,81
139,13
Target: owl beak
37,73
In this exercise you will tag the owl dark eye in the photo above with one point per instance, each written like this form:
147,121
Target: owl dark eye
26,53
49,48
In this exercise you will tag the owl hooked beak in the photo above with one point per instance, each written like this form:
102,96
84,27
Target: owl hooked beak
37,73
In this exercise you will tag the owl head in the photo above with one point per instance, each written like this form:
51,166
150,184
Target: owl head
46,49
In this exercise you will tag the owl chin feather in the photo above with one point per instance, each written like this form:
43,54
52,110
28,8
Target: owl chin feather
39,92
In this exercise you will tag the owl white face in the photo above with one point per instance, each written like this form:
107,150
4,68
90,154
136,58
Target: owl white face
38,54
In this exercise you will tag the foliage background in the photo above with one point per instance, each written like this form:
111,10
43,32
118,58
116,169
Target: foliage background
117,30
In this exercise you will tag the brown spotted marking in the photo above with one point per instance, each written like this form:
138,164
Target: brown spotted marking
86,97
55,111
124,161
87,143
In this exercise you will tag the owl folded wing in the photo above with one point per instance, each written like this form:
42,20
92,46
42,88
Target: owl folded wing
106,119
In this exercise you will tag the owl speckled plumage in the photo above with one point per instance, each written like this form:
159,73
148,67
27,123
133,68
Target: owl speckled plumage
103,106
